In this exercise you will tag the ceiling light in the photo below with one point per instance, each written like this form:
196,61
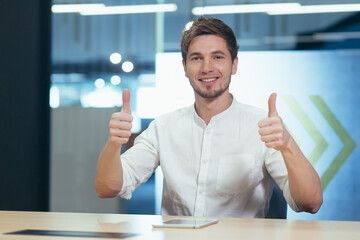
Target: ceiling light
243,8
115,58
331,8
127,66
73,8
149,8
115,80
276,8
99,83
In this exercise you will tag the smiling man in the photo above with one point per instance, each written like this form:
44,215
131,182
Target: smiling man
219,157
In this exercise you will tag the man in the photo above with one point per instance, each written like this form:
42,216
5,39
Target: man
219,157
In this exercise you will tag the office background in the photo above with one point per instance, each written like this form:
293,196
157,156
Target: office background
62,75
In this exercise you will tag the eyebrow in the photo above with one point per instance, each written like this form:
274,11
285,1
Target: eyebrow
214,52
218,52
194,54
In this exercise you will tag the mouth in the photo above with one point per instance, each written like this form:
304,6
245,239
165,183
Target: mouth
208,80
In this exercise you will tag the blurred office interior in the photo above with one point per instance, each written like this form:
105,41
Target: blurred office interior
66,62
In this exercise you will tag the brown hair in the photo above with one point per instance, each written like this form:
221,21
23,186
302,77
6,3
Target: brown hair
209,26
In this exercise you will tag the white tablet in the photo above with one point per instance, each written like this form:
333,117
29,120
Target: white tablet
185,223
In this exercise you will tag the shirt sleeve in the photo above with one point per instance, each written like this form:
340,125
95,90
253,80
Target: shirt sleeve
275,165
140,161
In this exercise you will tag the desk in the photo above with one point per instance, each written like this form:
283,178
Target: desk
227,228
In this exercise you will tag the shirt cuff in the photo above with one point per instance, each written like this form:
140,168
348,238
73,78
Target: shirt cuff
125,193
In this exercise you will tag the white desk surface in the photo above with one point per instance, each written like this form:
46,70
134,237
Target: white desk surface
227,228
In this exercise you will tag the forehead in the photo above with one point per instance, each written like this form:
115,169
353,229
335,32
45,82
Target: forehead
208,43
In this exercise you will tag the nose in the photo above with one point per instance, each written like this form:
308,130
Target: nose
207,66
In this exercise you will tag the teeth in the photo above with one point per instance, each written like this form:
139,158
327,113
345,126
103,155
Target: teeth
208,80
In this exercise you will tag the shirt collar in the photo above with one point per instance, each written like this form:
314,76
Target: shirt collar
217,117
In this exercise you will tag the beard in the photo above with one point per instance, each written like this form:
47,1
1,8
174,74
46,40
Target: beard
209,94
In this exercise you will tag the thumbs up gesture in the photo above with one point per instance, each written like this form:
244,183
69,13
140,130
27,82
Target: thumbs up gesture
272,130
121,122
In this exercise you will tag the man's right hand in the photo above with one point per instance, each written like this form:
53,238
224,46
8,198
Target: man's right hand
121,122
109,172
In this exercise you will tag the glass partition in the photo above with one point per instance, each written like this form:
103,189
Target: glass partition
307,51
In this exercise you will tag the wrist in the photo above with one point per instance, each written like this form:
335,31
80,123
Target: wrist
288,147
113,146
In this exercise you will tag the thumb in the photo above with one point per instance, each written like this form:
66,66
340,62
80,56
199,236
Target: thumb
272,106
126,101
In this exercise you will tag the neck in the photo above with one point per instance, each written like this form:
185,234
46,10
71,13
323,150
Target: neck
206,108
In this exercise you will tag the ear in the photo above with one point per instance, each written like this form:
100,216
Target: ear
234,66
185,70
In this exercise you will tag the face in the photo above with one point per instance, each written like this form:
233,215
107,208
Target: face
209,66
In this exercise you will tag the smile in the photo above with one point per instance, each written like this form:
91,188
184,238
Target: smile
208,79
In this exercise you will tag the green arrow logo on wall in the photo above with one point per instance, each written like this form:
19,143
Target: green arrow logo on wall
319,140
321,144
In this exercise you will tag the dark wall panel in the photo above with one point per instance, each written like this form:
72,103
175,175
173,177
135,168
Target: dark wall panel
24,104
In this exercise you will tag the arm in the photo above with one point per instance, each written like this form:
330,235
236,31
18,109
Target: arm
109,172
304,182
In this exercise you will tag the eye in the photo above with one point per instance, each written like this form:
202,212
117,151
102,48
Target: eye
218,57
195,58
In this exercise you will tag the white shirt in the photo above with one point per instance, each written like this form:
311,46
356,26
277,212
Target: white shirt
220,169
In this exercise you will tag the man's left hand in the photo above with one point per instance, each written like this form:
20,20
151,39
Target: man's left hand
272,130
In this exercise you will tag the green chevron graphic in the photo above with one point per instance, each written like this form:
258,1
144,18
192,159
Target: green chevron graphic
349,144
321,144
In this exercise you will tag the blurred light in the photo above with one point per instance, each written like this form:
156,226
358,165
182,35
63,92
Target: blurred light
115,58
127,66
276,8
244,8
337,37
54,97
149,8
188,25
72,8
99,83
115,80
331,8
104,97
